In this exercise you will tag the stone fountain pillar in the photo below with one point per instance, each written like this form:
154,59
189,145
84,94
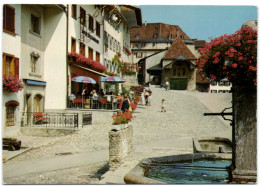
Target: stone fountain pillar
244,134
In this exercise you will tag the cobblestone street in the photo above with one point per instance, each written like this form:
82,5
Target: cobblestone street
81,158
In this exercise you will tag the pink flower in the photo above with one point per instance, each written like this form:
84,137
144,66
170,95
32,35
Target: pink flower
213,77
238,44
240,58
234,65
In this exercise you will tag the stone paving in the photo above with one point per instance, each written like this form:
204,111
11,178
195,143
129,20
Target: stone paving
155,134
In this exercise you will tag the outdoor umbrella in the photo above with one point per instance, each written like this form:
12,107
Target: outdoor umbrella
112,79
83,79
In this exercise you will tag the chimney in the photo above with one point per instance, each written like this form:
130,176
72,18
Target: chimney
145,23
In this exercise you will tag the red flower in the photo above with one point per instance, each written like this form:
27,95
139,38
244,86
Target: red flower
234,65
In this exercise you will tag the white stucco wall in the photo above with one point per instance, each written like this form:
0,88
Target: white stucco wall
55,59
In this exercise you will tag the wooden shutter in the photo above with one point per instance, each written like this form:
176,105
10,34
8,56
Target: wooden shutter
12,68
16,62
9,18
97,57
91,23
4,61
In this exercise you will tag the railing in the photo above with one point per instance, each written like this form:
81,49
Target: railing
102,103
49,120
86,118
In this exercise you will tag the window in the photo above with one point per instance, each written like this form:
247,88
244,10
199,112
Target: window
73,44
37,106
183,72
82,16
34,61
110,43
137,36
10,65
90,53
155,35
138,54
221,83
82,49
9,19
182,37
174,72
145,54
74,11
97,56
91,23
35,24
10,115
97,29
114,43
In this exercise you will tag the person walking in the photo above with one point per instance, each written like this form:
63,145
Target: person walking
146,95
167,85
163,107
149,97
126,103
143,97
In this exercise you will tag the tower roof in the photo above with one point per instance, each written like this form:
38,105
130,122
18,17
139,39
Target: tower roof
178,50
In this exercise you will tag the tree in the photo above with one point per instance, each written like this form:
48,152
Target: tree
232,57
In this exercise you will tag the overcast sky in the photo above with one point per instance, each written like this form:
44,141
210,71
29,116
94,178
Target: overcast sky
200,22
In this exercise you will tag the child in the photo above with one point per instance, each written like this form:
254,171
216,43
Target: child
163,108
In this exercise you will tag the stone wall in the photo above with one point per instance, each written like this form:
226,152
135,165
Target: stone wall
120,145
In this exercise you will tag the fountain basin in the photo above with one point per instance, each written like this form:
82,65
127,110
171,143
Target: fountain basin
138,175
212,145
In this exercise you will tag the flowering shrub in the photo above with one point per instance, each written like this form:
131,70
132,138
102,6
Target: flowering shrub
122,117
127,51
137,89
232,57
80,59
128,68
12,84
111,74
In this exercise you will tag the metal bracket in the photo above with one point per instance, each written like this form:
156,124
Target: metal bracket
223,114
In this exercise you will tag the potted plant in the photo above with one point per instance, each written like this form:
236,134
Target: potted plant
121,120
12,84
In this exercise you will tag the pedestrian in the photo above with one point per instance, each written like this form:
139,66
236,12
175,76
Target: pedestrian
126,103
166,85
146,95
143,97
163,107
149,97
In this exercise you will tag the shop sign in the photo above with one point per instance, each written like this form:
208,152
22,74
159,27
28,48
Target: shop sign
85,36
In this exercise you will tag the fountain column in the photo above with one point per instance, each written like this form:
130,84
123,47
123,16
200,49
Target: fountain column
244,134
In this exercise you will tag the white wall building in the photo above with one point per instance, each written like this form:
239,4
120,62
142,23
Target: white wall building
223,86
11,52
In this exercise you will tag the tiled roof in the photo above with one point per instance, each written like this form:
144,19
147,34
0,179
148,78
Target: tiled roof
199,43
201,79
177,49
147,31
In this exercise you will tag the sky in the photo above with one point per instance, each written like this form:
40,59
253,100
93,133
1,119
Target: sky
201,22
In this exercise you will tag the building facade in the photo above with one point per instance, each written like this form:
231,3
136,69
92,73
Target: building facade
165,52
45,46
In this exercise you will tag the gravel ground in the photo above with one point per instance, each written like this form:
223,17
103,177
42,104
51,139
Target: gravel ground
183,118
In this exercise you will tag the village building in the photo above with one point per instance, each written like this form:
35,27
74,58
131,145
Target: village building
85,47
118,19
45,46
11,102
165,52
33,35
